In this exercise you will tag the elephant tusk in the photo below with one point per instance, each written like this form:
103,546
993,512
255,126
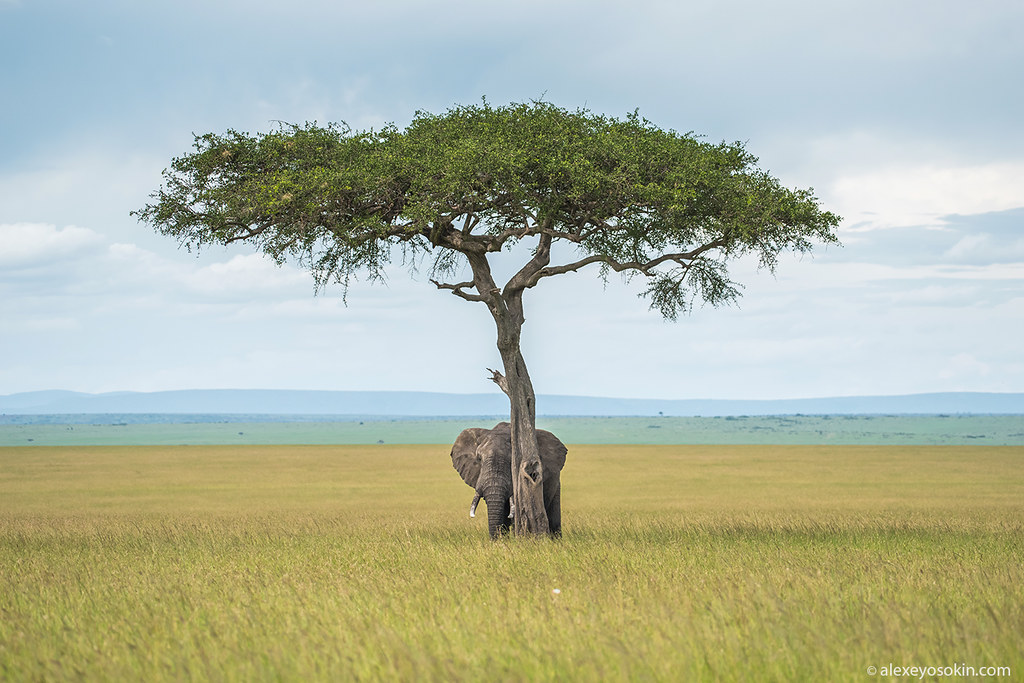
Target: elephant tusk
472,506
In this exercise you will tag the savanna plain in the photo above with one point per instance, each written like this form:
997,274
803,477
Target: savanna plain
702,562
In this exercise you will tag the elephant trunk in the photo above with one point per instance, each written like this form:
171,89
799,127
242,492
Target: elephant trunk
497,513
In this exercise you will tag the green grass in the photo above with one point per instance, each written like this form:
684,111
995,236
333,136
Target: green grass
360,563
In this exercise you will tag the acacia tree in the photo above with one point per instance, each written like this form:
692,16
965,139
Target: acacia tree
627,196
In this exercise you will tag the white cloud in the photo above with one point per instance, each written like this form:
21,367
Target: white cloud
982,247
916,195
867,272
964,365
51,325
246,275
28,245
130,252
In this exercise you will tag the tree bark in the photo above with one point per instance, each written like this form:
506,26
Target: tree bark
527,473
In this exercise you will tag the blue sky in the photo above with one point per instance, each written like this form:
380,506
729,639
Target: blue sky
905,117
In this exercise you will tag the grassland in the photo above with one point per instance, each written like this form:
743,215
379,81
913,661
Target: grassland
166,430
359,563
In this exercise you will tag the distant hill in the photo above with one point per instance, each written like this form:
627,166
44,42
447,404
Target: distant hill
426,404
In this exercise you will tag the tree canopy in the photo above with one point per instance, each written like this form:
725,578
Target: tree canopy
626,194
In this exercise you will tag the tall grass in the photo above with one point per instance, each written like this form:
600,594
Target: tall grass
360,563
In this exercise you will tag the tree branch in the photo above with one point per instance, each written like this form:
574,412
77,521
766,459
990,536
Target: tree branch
457,290
500,380
446,235
249,231
574,237
497,242
527,273
682,258
471,222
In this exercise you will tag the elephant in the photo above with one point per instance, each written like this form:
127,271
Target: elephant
483,458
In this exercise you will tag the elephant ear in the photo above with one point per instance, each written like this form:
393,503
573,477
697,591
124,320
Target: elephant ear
552,451
465,458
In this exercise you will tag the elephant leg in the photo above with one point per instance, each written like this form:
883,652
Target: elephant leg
554,510
553,503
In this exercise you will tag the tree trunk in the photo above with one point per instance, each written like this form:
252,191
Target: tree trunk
506,307
527,474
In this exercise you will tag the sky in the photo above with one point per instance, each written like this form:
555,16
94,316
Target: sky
905,117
